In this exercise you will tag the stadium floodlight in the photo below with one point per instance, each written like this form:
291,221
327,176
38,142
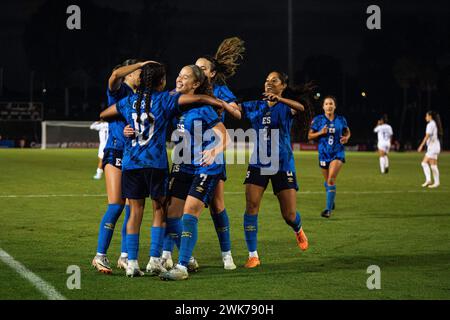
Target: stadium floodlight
68,134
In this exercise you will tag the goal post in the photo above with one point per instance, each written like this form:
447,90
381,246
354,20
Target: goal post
68,134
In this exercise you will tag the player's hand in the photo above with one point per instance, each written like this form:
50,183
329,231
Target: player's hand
208,157
344,139
128,132
419,149
324,130
271,97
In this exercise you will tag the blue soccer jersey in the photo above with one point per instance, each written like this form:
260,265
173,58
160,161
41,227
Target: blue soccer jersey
263,120
148,148
191,128
330,147
116,139
222,92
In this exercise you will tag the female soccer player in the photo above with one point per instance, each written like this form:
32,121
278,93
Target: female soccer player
145,165
123,82
217,69
194,177
431,139
385,133
102,128
332,132
268,117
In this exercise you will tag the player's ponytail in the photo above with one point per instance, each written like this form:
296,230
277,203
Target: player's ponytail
225,61
437,118
151,76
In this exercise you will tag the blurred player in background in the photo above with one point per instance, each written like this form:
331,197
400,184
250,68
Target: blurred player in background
217,69
102,128
385,133
123,82
274,112
333,132
433,132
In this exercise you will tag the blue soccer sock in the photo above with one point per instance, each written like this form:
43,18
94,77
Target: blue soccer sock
296,225
124,229
331,194
251,231
173,234
133,246
188,238
107,227
157,238
222,225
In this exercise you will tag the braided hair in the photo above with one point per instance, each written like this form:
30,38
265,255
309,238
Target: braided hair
304,94
437,118
151,76
225,61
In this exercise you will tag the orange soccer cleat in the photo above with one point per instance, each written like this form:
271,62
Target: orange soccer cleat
252,262
302,240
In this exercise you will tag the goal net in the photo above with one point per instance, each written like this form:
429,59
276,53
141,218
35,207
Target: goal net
68,134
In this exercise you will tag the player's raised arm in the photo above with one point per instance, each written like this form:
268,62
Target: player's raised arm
295,105
186,100
118,74
109,112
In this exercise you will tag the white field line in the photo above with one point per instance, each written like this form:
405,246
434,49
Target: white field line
44,287
226,192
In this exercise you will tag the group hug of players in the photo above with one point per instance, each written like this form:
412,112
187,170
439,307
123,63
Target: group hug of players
136,165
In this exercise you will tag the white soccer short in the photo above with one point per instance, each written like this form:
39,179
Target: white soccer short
433,151
383,146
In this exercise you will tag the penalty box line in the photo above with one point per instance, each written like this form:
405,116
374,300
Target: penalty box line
44,287
226,192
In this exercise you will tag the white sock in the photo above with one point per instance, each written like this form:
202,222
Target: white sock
252,254
191,259
386,162
167,255
435,170
133,263
124,255
426,171
382,164
99,171
154,259
100,254
226,253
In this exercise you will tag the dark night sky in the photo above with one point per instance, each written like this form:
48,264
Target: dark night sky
320,27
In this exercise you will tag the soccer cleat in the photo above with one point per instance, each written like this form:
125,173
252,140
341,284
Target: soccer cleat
176,273
434,185
326,213
426,184
97,176
228,263
101,263
252,262
155,267
192,265
302,240
122,263
133,270
167,263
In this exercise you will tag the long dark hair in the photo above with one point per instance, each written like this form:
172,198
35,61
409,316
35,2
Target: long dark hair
225,61
151,76
437,118
205,85
302,93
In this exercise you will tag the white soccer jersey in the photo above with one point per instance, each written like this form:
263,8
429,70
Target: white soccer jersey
102,128
432,131
384,132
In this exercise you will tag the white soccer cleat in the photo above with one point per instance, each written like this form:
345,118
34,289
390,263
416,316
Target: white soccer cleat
228,263
122,263
426,184
177,273
192,265
167,263
101,263
133,270
434,185
155,266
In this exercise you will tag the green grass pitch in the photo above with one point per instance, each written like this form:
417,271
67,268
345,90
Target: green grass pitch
389,221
